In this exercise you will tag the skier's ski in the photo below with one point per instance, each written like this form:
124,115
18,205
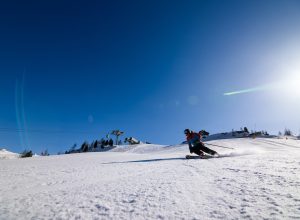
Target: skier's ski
199,157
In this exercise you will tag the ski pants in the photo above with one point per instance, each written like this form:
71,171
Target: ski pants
200,148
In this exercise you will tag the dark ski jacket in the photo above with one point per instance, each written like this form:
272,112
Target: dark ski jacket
193,140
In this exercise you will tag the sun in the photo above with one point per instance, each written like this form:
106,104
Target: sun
291,86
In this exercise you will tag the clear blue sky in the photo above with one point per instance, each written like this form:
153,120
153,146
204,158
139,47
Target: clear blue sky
74,70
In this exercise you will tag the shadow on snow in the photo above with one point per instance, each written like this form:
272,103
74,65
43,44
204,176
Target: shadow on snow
148,160
169,159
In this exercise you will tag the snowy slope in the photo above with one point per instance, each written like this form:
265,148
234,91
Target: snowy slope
259,179
5,154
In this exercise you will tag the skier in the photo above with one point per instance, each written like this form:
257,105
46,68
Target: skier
195,144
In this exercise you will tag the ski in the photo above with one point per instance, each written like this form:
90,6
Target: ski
199,157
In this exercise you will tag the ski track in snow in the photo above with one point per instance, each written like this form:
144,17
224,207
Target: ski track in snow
258,180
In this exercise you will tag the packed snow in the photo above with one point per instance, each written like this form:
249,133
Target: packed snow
5,154
258,179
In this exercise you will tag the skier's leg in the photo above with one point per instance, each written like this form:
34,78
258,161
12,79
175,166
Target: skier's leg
214,153
209,151
197,151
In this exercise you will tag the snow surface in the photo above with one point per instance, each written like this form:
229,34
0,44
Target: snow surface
5,154
260,179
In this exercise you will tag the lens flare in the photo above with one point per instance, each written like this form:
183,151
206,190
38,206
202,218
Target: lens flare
254,89
20,112
288,87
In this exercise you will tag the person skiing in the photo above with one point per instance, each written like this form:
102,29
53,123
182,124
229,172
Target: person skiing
195,144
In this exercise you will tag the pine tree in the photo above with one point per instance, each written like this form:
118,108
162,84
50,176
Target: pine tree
287,132
111,142
102,141
95,144
45,153
84,147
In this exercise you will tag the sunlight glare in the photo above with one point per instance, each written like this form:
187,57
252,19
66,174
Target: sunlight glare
291,86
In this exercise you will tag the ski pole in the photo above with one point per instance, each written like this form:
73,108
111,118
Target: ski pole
220,146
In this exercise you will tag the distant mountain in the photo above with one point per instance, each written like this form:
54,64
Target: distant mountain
5,154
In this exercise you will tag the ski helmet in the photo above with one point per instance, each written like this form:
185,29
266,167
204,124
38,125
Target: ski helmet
187,131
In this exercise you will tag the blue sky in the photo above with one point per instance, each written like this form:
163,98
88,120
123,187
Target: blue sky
74,70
